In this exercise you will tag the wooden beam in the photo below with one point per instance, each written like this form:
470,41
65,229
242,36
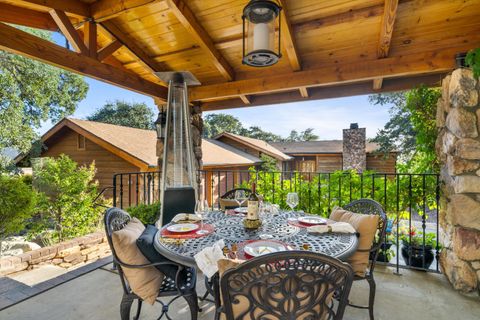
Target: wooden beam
132,46
90,38
108,9
386,31
328,92
304,92
20,42
188,20
26,17
413,64
75,7
108,50
245,99
69,31
377,83
288,39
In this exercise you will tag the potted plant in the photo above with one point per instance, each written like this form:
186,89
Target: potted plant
416,252
385,254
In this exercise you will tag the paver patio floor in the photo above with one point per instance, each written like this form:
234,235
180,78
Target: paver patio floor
96,295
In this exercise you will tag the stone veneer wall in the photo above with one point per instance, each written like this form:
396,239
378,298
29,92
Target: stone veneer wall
354,152
66,254
458,147
196,130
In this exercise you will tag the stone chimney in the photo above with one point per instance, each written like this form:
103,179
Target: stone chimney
354,143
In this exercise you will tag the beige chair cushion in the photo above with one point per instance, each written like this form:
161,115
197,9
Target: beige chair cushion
366,225
145,282
229,203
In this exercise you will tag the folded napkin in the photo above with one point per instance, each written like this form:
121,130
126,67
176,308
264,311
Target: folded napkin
190,217
208,257
337,227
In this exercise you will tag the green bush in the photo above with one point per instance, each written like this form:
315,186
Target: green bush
66,199
17,202
147,213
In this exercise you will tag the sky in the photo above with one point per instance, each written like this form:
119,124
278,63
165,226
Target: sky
327,117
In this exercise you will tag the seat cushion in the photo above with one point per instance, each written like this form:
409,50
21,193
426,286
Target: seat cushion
145,244
366,225
144,282
230,204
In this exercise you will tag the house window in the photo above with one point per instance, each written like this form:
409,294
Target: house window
80,142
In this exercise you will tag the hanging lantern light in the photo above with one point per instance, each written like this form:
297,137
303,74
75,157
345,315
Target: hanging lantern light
260,48
160,124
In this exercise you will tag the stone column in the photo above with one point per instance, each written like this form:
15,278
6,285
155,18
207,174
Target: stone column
354,153
458,148
196,129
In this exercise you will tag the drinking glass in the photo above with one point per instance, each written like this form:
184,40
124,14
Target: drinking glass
240,197
292,200
201,208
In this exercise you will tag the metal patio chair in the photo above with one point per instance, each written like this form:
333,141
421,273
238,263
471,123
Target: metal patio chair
182,286
368,206
287,285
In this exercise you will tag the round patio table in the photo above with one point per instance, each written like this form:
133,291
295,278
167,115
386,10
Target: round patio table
230,228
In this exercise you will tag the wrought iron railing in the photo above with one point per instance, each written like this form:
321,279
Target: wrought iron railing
411,202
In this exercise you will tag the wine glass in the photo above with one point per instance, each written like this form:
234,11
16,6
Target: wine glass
292,200
240,197
201,207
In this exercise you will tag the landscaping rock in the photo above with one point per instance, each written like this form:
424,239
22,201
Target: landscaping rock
464,211
467,244
467,184
462,89
457,166
468,149
462,123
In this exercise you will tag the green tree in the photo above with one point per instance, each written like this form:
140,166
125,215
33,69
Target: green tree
17,201
32,92
257,133
411,129
268,163
135,115
306,135
214,124
66,198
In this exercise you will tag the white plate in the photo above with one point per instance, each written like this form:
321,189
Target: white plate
262,247
241,210
183,227
312,220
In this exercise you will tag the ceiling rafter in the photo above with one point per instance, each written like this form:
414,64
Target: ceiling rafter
304,92
20,42
75,7
418,63
69,31
90,37
108,9
386,32
245,99
108,50
26,17
188,20
288,38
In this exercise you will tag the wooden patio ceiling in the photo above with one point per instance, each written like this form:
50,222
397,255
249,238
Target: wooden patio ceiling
331,48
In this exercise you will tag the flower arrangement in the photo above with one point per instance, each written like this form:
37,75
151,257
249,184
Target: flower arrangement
412,237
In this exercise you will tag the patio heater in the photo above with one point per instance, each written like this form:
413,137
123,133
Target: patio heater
178,190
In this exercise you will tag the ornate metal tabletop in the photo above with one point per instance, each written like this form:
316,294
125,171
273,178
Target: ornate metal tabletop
230,229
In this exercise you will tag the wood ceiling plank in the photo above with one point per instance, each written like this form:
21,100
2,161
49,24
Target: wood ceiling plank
108,9
131,45
108,50
288,38
20,42
69,31
428,62
386,29
327,92
26,17
70,6
188,20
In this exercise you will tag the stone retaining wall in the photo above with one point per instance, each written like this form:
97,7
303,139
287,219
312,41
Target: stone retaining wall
66,254
458,147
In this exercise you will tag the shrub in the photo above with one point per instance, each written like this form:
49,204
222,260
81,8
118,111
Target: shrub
66,199
17,202
147,213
